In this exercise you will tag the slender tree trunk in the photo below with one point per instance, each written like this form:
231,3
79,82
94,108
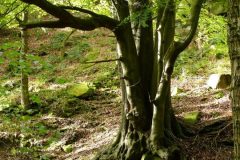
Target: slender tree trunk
234,51
24,75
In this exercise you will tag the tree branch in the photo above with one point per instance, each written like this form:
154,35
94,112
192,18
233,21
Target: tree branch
122,8
79,9
50,8
177,47
102,61
195,12
69,20
46,24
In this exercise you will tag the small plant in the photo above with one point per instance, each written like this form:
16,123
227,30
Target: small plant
57,40
219,95
77,51
61,80
36,99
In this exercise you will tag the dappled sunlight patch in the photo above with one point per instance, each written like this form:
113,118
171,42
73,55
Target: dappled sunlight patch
95,142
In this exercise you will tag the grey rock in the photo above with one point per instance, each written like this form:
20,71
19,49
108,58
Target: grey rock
219,81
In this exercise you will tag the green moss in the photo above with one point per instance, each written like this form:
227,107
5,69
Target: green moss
91,56
191,117
219,95
80,90
67,148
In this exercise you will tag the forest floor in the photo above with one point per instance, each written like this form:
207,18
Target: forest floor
94,123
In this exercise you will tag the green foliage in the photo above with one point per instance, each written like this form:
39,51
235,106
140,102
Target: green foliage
209,45
77,51
61,80
107,79
219,95
59,103
10,9
35,99
101,7
139,17
56,41
213,33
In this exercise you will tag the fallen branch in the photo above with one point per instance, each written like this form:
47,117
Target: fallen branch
65,41
221,130
103,61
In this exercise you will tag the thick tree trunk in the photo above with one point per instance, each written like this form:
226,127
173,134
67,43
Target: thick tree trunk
151,144
144,135
234,51
149,126
24,75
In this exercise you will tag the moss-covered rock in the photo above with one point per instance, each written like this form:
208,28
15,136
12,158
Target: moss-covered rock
221,81
191,117
67,148
176,91
81,90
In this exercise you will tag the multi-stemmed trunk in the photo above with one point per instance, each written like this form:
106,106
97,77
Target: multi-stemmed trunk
148,122
147,58
234,52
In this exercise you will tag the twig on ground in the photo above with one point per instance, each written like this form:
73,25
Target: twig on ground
103,61
221,130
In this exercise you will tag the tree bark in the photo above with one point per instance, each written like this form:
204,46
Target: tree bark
234,52
24,75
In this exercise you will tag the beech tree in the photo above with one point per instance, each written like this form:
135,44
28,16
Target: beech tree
147,58
234,53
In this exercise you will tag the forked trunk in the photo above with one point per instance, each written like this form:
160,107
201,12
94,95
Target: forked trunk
144,134
148,144
149,126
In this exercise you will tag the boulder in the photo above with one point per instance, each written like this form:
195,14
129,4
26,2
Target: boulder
221,81
191,117
176,90
67,148
81,90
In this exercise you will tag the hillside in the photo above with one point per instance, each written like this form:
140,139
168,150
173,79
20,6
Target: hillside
62,126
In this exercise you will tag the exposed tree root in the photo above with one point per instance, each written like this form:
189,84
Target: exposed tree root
214,126
136,146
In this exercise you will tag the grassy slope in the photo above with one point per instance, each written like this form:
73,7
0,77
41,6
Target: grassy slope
68,127
63,119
